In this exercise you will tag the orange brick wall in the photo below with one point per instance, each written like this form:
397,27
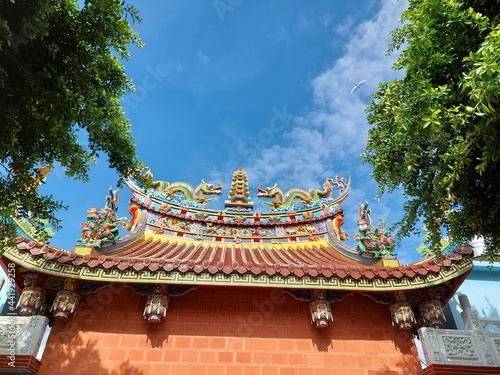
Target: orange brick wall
225,332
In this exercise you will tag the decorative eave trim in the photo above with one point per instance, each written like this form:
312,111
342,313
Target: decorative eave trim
348,283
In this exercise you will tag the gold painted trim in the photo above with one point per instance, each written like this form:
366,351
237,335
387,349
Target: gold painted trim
148,235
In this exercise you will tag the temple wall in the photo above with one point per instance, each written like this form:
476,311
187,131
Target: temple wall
227,331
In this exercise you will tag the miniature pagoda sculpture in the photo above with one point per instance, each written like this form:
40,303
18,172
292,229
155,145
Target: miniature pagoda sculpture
156,305
431,312
239,196
66,301
401,313
373,241
32,297
321,311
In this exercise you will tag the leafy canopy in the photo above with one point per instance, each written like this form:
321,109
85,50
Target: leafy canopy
436,131
61,79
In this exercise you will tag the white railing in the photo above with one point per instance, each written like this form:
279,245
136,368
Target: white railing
490,322
470,347
21,335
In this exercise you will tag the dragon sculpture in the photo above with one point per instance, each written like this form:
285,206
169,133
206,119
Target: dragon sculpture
196,195
283,201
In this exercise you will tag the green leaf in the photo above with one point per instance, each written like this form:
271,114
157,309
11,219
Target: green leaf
435,132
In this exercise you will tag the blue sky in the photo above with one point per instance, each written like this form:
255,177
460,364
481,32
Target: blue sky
264,85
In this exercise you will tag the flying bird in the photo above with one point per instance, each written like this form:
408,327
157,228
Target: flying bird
358,85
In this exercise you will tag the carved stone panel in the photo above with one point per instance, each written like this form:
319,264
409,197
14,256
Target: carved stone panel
459,347
21,335
466,348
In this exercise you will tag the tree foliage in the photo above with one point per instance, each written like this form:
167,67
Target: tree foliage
436,131
61,82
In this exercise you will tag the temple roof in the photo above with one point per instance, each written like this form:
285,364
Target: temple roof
299,243
308,265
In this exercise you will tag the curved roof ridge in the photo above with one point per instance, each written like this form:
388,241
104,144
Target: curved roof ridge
144,249
264,254
190,255
275,255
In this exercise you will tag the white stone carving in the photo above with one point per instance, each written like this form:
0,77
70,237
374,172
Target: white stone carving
459,347
471,347
21,334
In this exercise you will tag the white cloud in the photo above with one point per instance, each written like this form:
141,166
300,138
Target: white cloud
328,138
202,57
335,128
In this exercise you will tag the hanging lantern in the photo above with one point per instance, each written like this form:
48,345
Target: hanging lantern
156,305
66,301
401,313
432,313
32,297
321,312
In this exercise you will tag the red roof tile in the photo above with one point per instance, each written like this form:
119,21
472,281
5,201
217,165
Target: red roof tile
300,260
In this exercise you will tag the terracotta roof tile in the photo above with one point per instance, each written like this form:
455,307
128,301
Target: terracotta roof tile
354,272
108,263
312,260
94,262
49,255
341,272
368,273
64,258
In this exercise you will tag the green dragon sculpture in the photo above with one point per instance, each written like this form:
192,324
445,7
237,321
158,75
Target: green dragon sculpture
283,201
197,195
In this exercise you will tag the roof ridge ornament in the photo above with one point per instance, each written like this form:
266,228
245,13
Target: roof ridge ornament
239,199
193,197
373,241
312,197
103,226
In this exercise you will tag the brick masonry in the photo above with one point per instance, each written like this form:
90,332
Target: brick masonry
227,331
23,364
459,370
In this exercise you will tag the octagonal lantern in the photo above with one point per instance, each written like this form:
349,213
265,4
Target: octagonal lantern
32,297
432,313
156,305
321,311
401,313
66,301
